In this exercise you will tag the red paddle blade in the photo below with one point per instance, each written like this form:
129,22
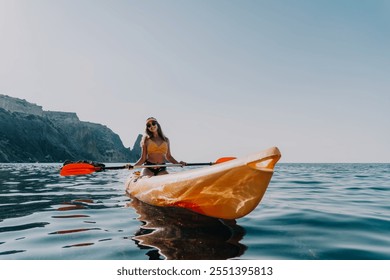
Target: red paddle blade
72,169
224,159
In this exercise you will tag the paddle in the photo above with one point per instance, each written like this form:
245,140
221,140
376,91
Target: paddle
84,168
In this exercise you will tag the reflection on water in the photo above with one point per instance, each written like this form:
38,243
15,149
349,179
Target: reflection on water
46,216
178,234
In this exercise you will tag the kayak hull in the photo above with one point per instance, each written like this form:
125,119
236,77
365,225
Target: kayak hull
228,190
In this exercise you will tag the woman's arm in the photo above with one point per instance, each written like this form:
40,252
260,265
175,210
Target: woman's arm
170,158
142,159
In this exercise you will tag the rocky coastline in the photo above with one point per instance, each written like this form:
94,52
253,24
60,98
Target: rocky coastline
30,134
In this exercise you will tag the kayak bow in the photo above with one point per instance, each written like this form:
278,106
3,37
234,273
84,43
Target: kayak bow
229,190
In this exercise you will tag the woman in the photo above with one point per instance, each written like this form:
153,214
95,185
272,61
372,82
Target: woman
155,150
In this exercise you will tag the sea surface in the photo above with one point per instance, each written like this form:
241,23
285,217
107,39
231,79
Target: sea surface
309,212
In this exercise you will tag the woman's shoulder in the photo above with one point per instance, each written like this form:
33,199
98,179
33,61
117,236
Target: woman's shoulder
145,139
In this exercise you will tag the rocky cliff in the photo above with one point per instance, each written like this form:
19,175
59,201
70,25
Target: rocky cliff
30,134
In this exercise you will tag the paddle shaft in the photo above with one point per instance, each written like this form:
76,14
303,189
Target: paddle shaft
83,168
157,165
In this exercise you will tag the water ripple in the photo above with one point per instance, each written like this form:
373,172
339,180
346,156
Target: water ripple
310,211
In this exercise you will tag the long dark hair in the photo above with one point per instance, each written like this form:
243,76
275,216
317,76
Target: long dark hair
159,130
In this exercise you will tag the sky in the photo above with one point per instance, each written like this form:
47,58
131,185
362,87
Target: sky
223,77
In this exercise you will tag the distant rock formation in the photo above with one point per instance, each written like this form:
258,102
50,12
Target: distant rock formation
30,134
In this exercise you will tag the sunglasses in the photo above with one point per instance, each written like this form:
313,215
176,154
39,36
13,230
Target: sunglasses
151,123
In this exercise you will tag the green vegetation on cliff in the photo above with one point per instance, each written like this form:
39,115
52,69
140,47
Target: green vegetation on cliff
29,134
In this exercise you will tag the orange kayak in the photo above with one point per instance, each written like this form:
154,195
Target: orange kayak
229,190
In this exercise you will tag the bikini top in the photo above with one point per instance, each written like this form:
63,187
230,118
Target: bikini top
159,149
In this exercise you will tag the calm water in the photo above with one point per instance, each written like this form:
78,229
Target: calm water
310,211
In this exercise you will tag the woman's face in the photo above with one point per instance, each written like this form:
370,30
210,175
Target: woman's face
152,126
